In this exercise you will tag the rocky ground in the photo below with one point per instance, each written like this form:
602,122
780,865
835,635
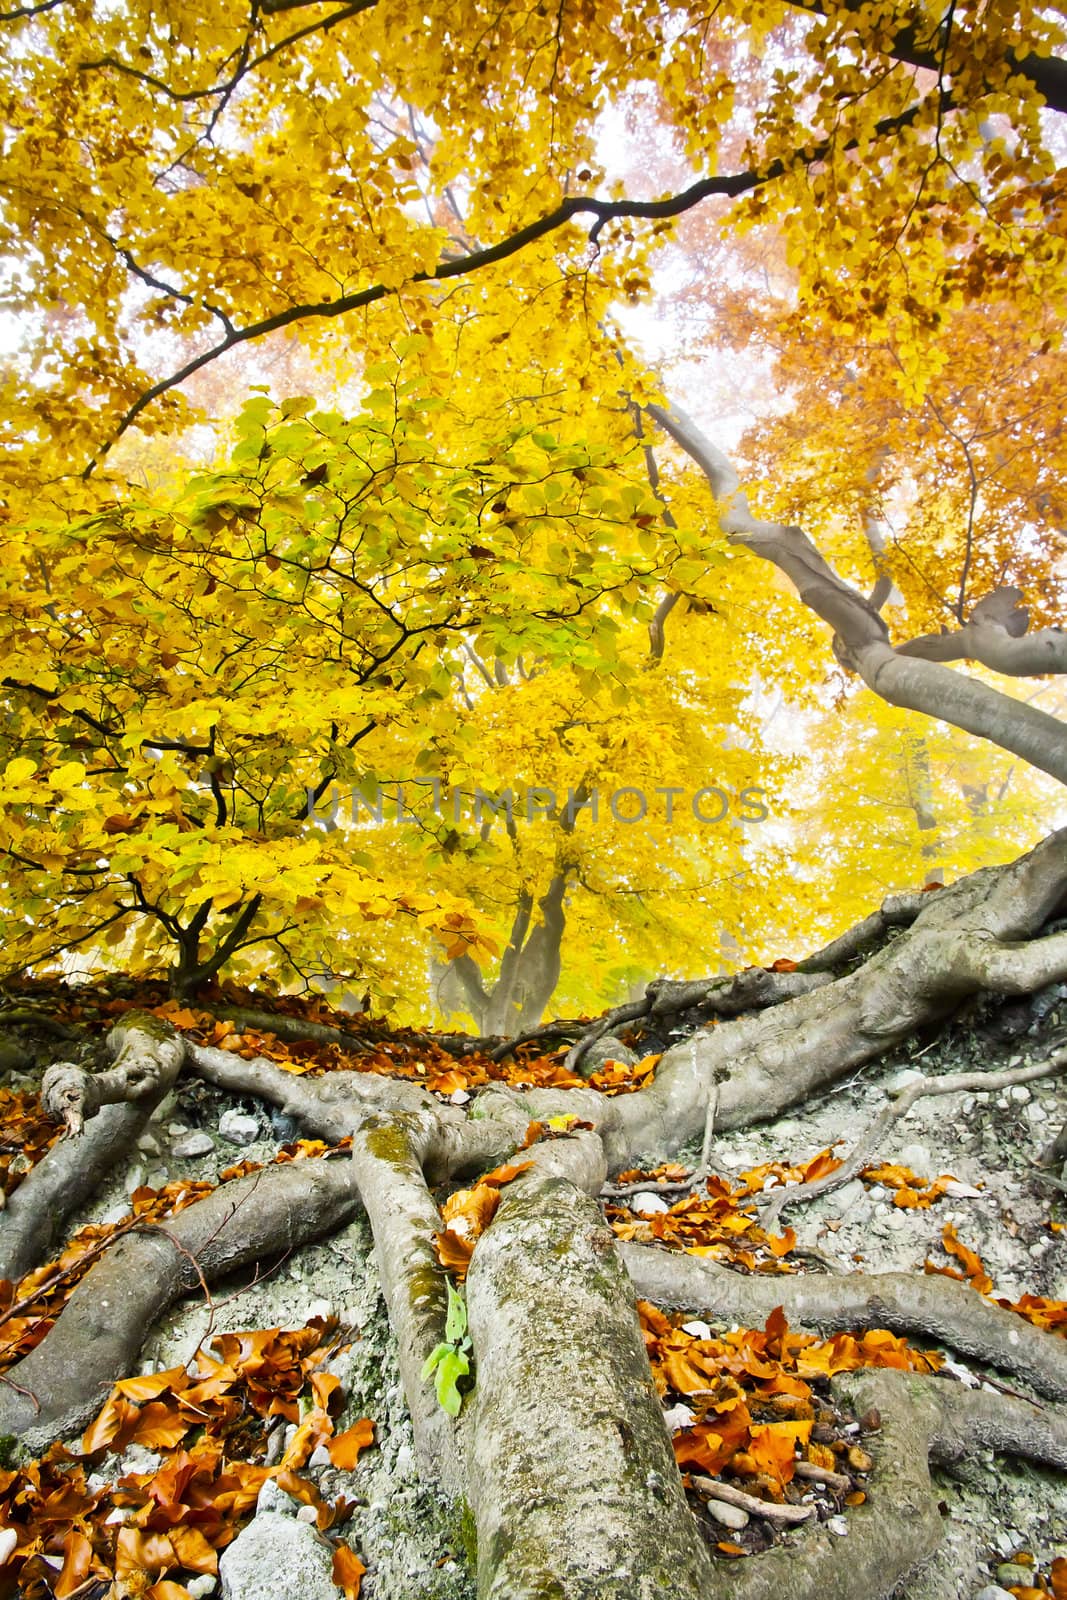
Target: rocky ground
1003,1521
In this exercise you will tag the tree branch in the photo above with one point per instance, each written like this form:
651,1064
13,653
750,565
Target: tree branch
861,637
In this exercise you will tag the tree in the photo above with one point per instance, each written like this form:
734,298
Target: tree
200,666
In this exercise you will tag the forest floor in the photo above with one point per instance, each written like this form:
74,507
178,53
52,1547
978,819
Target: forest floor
1003,1219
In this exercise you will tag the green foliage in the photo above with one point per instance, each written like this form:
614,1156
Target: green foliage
449,1362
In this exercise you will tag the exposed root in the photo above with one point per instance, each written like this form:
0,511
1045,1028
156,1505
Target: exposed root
980,933
405,1223
573,1483
942,1309
57,1388
106,1112
148,1055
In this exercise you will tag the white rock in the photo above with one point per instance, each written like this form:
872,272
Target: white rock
458,1097
8,1541
148,1144
202,1585
319,1457
697,1329
176,1129
648,1204
318,1308
958,1370
1020,1094
727,1516
847,1196
275,1558
194,1144
239,1127
838,1525
1034,1112
993,1591
307,1514
962,1191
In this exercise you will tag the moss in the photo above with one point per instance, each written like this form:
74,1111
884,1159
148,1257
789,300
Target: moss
145,1022
389,1143
467,1533
8,1447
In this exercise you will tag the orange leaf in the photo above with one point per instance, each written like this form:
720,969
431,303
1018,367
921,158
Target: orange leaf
1058,1578
346,1449
348,1571
454,1253
972,1264
77,1556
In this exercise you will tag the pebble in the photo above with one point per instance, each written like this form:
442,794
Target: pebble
838,1525
1013,1576
319,1308
134,1179
848,1195
727,1516
194,1144
1020,1094
697,1329
148,1144
992,1591
1035,1112
648,1204
458,1097
239,1127
202,1585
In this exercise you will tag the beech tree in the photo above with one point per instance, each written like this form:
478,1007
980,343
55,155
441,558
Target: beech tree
216,628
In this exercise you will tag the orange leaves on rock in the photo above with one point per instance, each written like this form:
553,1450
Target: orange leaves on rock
714,1222
1043,1313
973,1271
177,1518
712,1444
467,1214
910,1191
27,1135
346,1449
615,1077
728,1380
772,1448
347,1571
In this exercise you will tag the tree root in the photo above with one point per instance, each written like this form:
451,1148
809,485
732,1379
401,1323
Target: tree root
573,1483
148,1055
940,1308
58,1387
980,933
405,1222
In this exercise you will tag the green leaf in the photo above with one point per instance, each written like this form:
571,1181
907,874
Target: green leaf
456,1317
451,1368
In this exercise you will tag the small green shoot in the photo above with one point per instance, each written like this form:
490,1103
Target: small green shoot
451,1358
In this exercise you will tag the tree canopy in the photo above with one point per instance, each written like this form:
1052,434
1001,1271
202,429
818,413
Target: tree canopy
446,540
